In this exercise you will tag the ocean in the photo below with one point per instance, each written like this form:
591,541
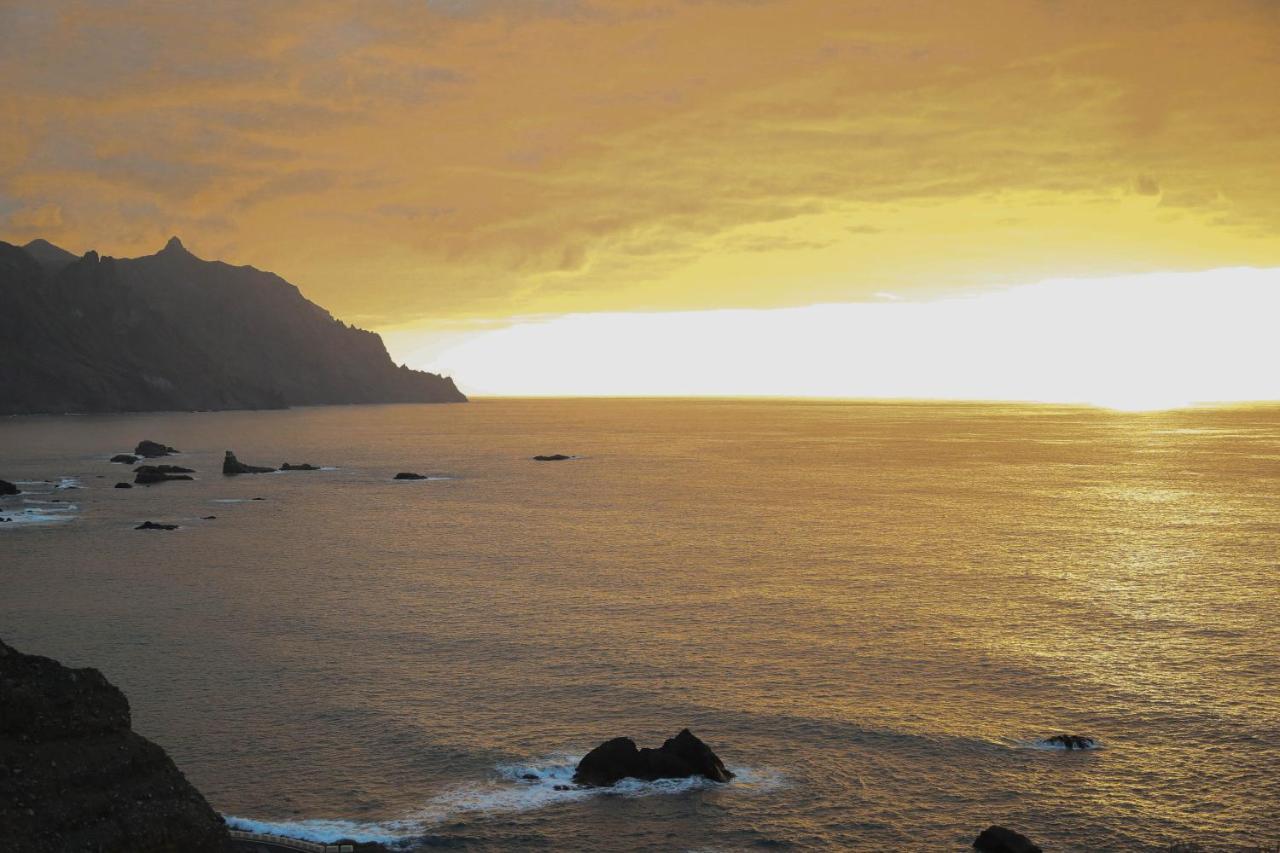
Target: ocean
871,611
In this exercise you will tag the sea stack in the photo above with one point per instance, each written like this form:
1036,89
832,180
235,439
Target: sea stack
74,776
232,465
679,757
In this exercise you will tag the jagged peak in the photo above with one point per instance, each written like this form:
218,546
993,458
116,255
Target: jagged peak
174,245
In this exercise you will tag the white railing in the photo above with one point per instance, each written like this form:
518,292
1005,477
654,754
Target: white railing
292,843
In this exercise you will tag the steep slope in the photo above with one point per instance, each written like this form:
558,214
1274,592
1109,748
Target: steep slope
74,776
172,331
52,259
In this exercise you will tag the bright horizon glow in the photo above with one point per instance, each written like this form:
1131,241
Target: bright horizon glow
1140,342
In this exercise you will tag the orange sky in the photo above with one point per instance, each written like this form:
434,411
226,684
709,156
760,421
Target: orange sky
424,164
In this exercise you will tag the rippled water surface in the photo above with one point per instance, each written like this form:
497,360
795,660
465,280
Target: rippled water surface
870,611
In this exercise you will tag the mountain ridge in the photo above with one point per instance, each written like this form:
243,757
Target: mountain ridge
172,331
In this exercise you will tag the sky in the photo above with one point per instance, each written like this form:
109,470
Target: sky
491,182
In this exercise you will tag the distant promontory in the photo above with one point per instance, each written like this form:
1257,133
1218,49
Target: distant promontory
171,331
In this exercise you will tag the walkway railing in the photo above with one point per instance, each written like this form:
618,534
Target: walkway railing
291,843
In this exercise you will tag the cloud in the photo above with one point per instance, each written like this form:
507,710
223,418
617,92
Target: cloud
46,217
1146,185
497,158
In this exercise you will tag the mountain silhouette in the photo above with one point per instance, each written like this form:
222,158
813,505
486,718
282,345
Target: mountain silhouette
170,331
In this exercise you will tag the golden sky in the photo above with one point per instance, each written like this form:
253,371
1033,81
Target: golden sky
418,164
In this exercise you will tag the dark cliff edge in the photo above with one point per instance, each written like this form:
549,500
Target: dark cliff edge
74,776
171,331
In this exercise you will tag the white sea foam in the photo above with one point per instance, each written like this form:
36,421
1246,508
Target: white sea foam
327,830
37,512
509,793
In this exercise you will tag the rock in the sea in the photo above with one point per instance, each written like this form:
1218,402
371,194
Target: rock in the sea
125,458
152,449
148,474
124,485
7,488
554,457
74,776
305,466
678,758
232,465
1069,742
409,475
153,525
999,839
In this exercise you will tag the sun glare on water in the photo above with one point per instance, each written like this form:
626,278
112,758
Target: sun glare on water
1131,343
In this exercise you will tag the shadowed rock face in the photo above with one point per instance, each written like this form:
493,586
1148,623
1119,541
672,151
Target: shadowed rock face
232,465
147,474
999,839
678,758
7,488
173,332
152,449
1070,741
74,776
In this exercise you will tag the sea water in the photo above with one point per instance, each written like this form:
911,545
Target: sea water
872,612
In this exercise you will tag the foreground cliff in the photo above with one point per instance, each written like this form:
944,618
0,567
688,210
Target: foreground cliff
73,776
171,331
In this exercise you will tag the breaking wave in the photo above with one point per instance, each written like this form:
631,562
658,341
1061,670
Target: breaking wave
518,787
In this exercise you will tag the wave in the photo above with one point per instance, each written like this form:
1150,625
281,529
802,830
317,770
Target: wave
326,831
38,512
518,787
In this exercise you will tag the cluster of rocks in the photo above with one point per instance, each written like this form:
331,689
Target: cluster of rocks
680,757
146,475
153,449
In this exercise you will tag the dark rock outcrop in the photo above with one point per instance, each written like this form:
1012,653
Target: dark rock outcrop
1069,741
554,457
409,475
125,458
154,525
305,466
148,474
232,465
152,449
678,758
998,839
73,776
124,485
7,488
170,331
